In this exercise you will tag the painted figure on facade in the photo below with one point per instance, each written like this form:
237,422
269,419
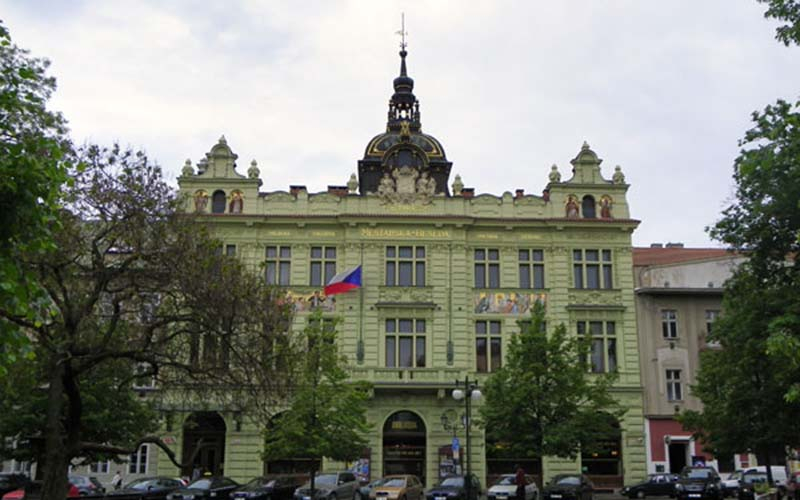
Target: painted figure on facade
237,203
605,207
200,201
572,207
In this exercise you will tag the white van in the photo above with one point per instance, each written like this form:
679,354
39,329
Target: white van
778,473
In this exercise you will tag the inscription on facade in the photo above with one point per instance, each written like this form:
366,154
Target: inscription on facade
405,233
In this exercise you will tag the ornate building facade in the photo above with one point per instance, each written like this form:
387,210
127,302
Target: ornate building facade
447,275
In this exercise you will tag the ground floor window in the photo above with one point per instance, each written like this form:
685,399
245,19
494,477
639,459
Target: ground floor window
137,462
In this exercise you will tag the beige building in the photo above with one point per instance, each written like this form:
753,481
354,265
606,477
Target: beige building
678,296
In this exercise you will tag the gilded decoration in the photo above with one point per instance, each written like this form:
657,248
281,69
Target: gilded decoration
406,185
200,200
506,302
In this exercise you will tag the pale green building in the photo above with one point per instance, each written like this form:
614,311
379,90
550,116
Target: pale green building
446,275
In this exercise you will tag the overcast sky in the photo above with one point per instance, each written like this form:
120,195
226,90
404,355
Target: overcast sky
663,88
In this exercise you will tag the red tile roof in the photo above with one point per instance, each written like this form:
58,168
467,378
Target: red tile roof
659,256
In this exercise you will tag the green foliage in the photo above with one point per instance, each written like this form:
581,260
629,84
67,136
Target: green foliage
787,11
326,413
32,145
543,401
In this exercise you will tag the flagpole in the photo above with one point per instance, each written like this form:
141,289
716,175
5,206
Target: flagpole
360,346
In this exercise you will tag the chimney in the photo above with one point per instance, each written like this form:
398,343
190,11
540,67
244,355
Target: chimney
468,192
674,245
520,193
293,190
656,245
337,190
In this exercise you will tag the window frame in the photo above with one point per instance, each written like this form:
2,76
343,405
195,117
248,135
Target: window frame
281,261
491,338
669,324
486,269
674,389
584,268
138,460
394,263
532,268
324,261
417,338
607,339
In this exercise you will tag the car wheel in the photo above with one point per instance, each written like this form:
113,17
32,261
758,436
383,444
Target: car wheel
640,494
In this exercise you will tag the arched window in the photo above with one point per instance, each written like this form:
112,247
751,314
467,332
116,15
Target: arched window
587,207
218,202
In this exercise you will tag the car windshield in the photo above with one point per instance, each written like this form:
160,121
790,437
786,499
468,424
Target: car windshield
754,478
141,484
325,479
453,481
507,480
697,474
397,482
259,482
376,483
78,480
566,481
201,484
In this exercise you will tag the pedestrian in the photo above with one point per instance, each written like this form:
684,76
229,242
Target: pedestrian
116,481
519,480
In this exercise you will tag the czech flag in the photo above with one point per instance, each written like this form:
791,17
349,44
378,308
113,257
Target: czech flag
344,281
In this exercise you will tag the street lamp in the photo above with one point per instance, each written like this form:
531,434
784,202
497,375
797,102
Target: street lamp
469,393
452,422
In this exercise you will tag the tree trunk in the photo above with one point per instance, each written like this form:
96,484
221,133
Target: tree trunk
311,483
54,474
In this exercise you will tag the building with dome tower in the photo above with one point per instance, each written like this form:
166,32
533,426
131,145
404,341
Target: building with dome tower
447,272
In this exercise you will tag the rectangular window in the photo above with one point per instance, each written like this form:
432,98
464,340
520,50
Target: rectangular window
405,343
592,269
99,467
488,346
711,317
669,324
674,392
602,338
137,462
323,265
405,266
230,250
487,268
531,269
278,265
145,378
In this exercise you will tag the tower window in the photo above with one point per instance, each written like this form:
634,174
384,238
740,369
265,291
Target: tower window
588,207
218,202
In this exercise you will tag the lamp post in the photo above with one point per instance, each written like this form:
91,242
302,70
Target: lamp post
452,422
469,393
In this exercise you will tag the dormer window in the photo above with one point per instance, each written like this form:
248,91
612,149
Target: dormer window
588,207
218,202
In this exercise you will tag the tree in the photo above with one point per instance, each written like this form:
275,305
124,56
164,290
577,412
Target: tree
33,141
131,286
325,414
789,12
543,401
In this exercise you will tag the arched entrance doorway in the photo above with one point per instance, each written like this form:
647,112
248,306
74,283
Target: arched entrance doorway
404,445
603,464
204,432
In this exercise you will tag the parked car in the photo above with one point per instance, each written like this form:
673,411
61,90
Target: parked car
778,473
453,487
19,494
11,482
506,487
399,487
331,486
568,487
268,488
204,488
148,488
793,486
365,489
748,482
730,486
87,485
698,483
654,485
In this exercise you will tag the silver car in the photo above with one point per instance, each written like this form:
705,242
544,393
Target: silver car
331,486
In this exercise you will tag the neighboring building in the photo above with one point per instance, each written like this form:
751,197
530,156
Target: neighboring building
678,296
447,274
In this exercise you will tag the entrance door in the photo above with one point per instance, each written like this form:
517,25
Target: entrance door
404,445
204,438
677,457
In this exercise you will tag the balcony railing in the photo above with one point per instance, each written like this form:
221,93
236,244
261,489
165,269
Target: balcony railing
407,375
